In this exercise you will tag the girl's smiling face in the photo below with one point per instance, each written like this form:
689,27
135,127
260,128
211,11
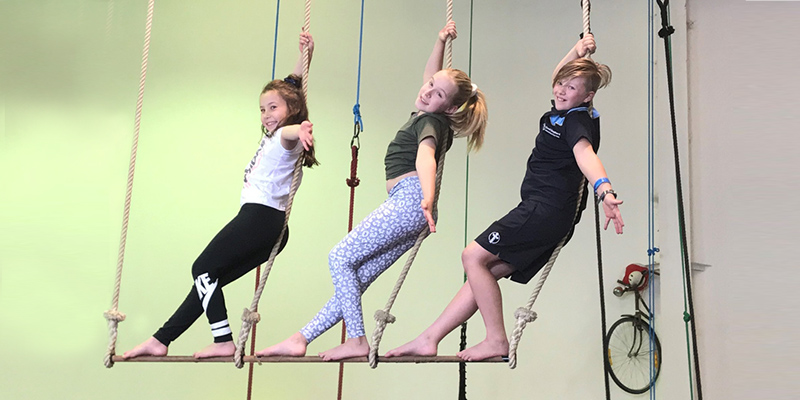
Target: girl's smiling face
273,110
436,95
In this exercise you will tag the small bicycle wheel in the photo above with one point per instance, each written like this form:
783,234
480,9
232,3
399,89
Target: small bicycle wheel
628,354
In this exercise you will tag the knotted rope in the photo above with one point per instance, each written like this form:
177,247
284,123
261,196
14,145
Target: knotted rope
384,316
525,314
113,316
250,316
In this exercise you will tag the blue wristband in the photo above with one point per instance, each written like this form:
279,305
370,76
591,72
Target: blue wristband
600,182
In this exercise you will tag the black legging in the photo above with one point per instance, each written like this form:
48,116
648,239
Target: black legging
240,246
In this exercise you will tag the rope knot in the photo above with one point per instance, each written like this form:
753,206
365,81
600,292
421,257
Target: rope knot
353,182
653,251
114,315
525,314
357,116
384,316
252,317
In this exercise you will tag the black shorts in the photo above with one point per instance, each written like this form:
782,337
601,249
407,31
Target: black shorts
526,237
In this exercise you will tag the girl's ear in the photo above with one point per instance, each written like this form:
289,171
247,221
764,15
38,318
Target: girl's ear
451,110
589,97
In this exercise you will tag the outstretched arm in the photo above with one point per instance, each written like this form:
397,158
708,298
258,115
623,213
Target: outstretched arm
434,64
426,171
581,48
305,40
593,170
303,132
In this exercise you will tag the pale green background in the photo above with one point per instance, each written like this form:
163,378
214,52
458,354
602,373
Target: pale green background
70,74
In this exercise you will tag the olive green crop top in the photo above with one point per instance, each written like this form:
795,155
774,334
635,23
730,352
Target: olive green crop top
401,155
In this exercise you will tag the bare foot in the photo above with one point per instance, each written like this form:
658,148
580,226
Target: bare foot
485,349
150,347
223,349
417,347
293,346
353,347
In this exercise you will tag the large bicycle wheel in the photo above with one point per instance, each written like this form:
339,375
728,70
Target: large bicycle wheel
627,355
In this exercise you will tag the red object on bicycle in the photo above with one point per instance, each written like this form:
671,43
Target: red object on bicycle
635,276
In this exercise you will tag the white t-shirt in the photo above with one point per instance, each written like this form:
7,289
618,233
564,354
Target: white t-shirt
268,177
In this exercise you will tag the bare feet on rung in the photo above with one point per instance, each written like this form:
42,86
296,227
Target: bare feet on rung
150,347
417,347
293,346
353,347
222,349
485,349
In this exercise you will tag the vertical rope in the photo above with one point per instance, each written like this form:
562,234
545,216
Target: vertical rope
353,181
306,55
384,317
587,29
525,314
586,7
251,367
250,316
601,282
275,41
113,316
651,247
462,366
448,46
688,316
252,345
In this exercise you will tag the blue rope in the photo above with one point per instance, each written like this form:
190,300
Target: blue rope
275,44
357,107
652,249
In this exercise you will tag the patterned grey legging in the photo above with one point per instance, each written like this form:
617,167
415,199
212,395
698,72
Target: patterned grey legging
368,250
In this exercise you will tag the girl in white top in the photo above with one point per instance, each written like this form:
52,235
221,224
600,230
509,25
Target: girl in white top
248,239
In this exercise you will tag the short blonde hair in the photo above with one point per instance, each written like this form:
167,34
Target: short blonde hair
596,75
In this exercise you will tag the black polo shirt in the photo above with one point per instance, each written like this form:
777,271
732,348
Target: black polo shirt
553,176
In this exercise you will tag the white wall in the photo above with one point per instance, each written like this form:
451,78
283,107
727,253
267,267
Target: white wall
743,109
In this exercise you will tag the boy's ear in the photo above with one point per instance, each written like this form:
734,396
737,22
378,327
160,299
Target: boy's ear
589,97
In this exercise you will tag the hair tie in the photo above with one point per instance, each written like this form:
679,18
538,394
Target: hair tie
292,81
474,90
